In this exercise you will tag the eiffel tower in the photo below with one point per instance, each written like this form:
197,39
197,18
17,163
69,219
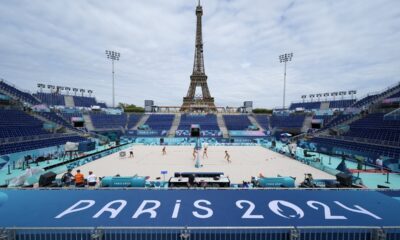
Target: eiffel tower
198,78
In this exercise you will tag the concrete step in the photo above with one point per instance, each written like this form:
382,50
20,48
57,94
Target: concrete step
41,118
59,126
255,123
88,122
175,125
69,101
324,106
306,124
222,126
141,121
345,122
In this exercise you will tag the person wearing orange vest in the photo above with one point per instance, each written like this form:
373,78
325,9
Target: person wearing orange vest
79,179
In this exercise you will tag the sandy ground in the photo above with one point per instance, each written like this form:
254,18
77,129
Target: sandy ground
247,161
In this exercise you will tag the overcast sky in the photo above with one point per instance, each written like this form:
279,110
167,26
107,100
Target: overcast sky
337,45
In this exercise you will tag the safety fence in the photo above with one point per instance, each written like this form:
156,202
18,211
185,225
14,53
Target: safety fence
202,233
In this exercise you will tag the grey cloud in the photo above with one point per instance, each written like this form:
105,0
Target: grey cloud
336,44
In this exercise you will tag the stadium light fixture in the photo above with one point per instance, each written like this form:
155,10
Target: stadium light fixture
41,86
326,95
67,89
312,96
342,93
334,94
304,97
319,95
75,90
51,87
284,58
90,92
82,91
352,92
59,89
114,56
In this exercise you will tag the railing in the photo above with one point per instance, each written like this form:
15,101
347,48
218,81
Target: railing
393,115
364,140
13,85
181,233
35,138
381,93
329,99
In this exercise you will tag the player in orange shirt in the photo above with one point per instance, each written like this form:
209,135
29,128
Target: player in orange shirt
79,179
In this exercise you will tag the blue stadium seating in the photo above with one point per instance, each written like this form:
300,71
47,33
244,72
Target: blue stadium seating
51,99
361,148
317,105
374,126
160,122
306,105
56,119
365,100
16,123
263,121
395,95
26,97
237,122
84,101
25,146
101,120
208,124
291,121
68,116
337,120
341,103
102,105
133,119
373,97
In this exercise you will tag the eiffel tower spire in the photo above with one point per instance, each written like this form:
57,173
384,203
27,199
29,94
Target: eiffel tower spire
198,77
198,66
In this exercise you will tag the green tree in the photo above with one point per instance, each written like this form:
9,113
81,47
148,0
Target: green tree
262,111
130,107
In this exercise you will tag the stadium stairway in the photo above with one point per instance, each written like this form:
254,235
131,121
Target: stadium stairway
127,122
175,125
45,120
141,121
254,122
88,122
345,122
325,105
307,123
222,126
41,118
269,125
69,101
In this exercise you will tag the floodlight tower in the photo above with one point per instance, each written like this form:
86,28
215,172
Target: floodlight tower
284,58
114,56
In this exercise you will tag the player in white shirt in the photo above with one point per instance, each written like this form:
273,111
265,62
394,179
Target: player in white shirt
91,179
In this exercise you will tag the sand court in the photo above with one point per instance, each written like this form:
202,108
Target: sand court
246,161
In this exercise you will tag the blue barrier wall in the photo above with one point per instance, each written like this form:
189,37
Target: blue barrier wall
150,208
